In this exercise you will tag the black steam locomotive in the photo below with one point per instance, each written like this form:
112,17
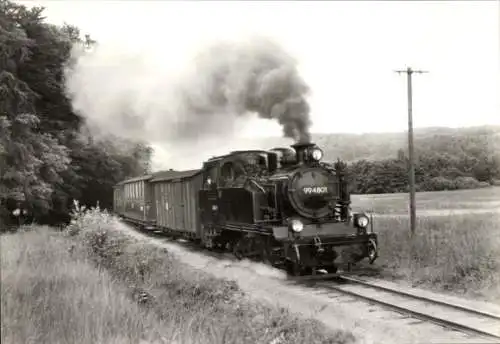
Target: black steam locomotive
283,206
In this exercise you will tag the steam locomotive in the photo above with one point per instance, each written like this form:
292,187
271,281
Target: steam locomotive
282,206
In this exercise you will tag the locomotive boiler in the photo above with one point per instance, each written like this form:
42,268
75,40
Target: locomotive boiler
283,206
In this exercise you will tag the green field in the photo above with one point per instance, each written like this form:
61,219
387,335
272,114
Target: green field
432,203
456,247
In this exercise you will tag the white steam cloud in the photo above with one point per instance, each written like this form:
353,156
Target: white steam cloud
189,110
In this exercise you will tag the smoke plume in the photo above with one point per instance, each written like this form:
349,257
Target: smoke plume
136,97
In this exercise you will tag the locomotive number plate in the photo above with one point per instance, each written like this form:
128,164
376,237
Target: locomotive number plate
315,190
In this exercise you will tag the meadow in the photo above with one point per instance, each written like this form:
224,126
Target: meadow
94,284
456,246
475,200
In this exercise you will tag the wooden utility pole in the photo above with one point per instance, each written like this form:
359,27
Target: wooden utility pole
411,153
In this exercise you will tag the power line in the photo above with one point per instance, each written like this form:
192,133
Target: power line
411,153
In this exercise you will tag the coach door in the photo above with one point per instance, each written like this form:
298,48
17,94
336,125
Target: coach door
178,205
208,195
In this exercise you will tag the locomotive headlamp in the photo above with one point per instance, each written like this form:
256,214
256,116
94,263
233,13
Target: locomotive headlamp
362,221
317,154
296,225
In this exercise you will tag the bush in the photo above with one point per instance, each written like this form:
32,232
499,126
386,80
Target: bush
437,184
462,183
495,182
441,183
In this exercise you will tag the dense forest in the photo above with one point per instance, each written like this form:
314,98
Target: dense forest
48,158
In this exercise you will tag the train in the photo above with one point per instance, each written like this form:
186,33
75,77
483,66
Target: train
284,206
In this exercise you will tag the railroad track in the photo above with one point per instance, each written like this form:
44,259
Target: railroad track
478,323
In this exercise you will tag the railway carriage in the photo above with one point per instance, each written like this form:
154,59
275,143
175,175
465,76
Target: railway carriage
282,206
133,201
176,202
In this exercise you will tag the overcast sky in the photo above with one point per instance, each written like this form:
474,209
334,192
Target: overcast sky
348,51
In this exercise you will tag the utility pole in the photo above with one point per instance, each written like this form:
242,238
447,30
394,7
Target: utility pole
411,153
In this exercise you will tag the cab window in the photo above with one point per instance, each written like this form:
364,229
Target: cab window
227,174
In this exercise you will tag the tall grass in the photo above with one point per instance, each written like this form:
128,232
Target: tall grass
460,253
50,295
95,284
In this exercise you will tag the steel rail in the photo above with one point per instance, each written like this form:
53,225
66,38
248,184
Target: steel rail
416,314
422,298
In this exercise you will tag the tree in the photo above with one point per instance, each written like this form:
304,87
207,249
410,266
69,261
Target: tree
45,162
31,160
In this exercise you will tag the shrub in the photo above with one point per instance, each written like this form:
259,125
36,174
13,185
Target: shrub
462,183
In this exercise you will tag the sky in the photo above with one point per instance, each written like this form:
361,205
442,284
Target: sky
348,52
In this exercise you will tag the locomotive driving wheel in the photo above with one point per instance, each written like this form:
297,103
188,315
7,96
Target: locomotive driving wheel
255,247
266,255
243,248
293,268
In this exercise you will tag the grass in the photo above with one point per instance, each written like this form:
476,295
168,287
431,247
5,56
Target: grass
94,284
457,251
